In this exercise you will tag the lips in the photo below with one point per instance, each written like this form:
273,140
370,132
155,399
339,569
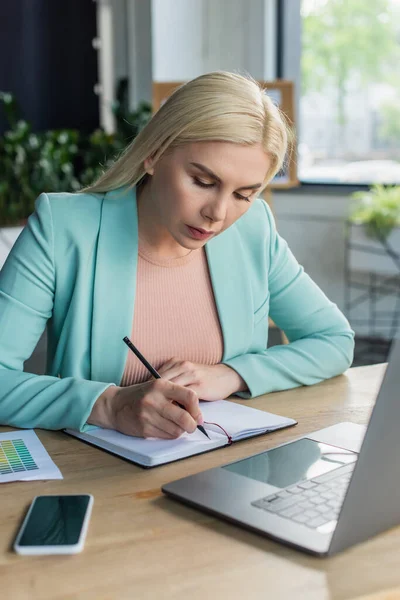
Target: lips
199,234
202,230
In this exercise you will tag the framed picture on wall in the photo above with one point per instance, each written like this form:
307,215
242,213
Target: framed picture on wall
281,92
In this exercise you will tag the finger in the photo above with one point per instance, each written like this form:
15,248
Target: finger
172,371
156,410
186,397
168,364
197,389
184,379
179,368
167,394
172,419
174,416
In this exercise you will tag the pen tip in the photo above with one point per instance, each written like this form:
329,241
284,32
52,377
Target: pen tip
203,430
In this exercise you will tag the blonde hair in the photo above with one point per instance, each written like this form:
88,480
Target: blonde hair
217,106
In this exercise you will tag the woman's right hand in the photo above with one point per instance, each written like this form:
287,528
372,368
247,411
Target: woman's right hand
148,409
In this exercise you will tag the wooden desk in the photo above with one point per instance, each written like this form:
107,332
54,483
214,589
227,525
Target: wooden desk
145,546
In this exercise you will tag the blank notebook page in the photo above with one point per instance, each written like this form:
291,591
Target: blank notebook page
239,420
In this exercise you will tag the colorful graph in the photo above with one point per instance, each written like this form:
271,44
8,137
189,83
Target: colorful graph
15,457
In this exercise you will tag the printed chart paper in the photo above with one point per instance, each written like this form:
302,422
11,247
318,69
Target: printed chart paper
24,458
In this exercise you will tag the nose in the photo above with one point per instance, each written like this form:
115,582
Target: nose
216,209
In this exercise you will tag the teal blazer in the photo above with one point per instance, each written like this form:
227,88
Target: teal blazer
73,269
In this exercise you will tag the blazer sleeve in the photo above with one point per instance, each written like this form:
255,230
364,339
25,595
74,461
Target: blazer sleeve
321,342
27,284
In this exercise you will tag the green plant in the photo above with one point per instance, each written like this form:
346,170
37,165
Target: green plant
378,209
59,160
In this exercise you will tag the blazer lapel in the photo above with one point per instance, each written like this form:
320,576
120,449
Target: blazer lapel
232,291
114,284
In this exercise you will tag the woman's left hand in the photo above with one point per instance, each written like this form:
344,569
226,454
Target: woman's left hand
210,382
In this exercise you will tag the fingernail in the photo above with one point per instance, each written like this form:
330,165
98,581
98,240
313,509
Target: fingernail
200,420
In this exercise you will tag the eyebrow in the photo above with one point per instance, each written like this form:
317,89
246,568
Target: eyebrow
254,186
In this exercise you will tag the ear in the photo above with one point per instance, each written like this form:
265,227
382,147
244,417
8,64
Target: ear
149,165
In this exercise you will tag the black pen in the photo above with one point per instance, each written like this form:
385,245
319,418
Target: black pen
154,373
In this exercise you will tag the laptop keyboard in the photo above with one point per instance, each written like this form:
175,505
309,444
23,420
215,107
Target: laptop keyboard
313,502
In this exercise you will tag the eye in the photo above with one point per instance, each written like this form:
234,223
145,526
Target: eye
202,184
240,197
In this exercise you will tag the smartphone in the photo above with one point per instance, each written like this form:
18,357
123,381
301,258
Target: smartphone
55,525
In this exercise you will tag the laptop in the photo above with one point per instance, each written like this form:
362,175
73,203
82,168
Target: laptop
321,493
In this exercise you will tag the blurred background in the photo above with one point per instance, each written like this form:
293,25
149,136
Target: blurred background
78,80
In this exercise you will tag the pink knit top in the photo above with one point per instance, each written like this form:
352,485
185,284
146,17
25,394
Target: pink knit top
175,313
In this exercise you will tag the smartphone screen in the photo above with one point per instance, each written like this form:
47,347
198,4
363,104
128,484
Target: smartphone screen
57,522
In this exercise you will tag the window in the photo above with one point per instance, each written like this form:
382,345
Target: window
349,95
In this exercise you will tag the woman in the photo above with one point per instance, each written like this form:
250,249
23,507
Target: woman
172,247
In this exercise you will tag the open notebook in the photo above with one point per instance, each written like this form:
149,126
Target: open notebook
238,421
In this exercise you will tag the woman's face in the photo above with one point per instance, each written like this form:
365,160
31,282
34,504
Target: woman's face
202,186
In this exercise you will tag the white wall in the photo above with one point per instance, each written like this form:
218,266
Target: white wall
314,227
191,37
178,45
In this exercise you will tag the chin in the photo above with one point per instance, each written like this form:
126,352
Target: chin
184,242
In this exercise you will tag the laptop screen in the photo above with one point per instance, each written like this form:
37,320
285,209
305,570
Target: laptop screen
293,462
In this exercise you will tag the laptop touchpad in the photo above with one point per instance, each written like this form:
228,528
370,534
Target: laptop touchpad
294,462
